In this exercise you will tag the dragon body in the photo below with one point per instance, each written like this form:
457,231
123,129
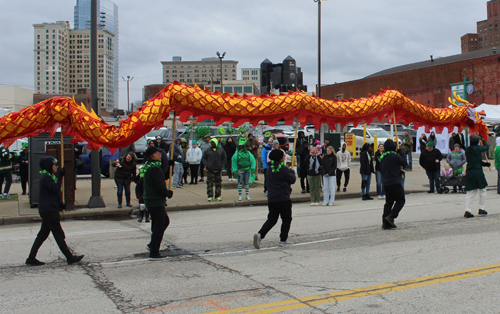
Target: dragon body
186,101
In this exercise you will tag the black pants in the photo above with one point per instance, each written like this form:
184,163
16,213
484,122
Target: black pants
159,223
51,222
304,182
202,170
194,173
347,174
394,200
265,180
229,165
24,181
185,174
276,209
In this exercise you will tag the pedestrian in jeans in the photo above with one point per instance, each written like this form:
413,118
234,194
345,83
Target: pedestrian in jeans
214,160
408,148
204,146
328,172
155,194
378,174
313,163
343,166
124,175
193,158
366,170
279,181
243,165
49,205
430,160
390,167
5,171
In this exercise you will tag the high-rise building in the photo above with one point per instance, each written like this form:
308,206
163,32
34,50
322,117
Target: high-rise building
62,61
488,31
282,76
204,71
107,19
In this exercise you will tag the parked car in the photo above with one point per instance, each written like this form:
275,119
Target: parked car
140,148
400,127
106,156
381,134
282,138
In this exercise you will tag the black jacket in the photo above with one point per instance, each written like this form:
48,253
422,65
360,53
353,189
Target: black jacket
49,197
317,159
366,162
329,165
391,164
278,184
229,149
377,162
23,167
428,159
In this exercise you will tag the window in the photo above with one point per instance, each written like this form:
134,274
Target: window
254,72
238,89
247,89
246,72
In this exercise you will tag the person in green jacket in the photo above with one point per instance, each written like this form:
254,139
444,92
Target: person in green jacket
475,180
243,166
497,163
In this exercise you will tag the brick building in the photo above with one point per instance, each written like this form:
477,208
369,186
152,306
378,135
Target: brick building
488,32
428,82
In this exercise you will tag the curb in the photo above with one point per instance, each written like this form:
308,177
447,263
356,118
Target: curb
81,212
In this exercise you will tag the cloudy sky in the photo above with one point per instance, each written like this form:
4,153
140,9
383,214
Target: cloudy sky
358,37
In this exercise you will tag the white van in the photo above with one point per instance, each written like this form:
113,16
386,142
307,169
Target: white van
381,134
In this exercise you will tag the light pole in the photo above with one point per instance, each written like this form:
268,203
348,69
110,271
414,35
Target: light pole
220,58
128,80
322,129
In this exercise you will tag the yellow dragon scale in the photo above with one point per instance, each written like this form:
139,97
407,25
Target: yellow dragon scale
188,101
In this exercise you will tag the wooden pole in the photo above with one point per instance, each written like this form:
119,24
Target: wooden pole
395,128
171,154
295,140
62,165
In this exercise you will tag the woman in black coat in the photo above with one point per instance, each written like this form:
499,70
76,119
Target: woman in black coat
366,170
304,154
229,149
328,170
124,175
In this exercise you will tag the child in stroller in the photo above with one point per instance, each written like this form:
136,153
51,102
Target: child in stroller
449,179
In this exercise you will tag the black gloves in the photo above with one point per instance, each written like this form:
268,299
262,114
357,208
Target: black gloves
170,194
62,172
485,164
62,207
171,163
401,152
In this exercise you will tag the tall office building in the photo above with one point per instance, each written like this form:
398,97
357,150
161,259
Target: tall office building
108,20
199,72
62,61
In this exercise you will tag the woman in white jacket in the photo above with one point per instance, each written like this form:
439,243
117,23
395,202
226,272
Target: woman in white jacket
193,158
343,166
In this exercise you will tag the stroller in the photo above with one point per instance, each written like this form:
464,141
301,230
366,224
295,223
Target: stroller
451,181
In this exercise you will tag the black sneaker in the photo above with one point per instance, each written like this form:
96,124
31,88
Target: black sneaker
386,226
74,259
363,197
430,191
344,190
482,212
468,215
201,180
368,197
147,248
338,189
34,262
157,257
303,192
390,221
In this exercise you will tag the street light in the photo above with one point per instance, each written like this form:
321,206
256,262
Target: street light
128,80
322,131
220,58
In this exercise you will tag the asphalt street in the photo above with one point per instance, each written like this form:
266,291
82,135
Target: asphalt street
436,261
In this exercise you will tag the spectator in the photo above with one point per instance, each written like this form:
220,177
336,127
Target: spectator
378,173
456,159
430,160
214,160
451,141
24,168
229,149
313,164
204,146
304,156
408,148
243,164
265,159
124,175
343,166
497,162
178,165
423,142
447,171
253,148
432,139
328,170
5,171
193,157
366,170
475,181
185,164
325,146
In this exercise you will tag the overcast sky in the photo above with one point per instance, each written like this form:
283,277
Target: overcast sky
359,37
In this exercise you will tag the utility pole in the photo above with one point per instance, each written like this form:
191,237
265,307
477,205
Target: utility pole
322,128
128,80
220,58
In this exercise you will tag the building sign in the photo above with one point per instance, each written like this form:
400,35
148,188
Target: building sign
459,89
462,89
470,89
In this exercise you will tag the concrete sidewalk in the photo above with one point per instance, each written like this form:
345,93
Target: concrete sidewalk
191,197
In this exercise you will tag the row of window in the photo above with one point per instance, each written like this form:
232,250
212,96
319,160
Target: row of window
174,66
480,29
247,72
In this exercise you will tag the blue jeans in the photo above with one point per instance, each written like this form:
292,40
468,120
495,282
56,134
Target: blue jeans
119,192
178,172
329,189
8,181
243,178
380,187
433,179
410,160
365,183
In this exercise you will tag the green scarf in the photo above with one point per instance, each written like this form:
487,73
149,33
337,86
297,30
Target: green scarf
50,174
147,165
385,154
281,164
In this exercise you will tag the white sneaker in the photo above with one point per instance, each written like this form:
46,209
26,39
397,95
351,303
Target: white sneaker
312,204
256,240
380,197
331,204
316,204
248,198
239,198
285,243
383,196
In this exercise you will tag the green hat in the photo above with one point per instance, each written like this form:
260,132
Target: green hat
242,141
24,145
194,142
430,144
